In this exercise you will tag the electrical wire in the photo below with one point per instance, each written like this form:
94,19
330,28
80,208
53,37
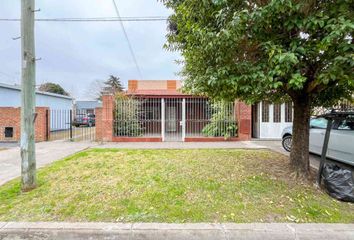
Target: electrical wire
98,19
127,38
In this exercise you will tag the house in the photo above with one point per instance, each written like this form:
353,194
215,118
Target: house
156,110
10,96
86,107
52,113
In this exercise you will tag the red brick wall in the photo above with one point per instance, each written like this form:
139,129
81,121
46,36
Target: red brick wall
104,123
244,120
104,119
11,117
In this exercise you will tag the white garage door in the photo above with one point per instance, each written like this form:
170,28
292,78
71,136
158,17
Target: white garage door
274,118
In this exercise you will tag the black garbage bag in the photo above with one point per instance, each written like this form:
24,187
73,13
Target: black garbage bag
338,182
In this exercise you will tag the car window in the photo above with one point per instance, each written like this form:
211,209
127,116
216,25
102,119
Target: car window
346,125
318,123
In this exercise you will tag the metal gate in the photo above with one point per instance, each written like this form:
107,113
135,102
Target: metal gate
173,119
71,125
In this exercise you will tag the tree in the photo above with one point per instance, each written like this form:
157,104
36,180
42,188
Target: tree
272,50
53,88
112,85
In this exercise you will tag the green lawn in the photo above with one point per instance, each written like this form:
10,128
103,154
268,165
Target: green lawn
171,186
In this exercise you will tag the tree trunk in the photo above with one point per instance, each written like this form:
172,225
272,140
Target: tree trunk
299,156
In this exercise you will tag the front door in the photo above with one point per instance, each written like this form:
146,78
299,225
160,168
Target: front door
173,119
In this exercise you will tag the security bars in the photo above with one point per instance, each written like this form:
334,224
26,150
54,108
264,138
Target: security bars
173,119
137,117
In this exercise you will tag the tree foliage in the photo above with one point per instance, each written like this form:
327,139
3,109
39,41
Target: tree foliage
53,88
273,50
113,85
265,50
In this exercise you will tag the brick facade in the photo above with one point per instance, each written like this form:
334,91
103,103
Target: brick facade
104,119
244,120
10,118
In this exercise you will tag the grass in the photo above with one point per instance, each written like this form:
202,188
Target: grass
171,186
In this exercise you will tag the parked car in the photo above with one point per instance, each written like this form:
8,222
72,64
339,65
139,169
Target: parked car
341,141
84,120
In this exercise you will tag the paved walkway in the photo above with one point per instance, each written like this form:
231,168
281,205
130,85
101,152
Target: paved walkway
257,144
46,152
162,231
183,145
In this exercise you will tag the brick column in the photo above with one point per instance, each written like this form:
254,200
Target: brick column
104,119
244,120
41,124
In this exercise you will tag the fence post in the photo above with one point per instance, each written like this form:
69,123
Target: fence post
47,125
183,119
71,125
163,119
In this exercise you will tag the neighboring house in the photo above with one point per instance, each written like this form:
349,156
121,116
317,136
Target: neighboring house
86,107
51,108
10,96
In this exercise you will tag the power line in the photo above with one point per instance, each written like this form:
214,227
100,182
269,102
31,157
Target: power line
97,19
127,38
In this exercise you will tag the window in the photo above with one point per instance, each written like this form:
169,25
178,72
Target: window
346,125
318,123
276,113
288,112
265,112
9,132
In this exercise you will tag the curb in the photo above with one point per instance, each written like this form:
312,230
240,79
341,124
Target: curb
162,231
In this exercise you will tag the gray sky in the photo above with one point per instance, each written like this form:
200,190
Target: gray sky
74,54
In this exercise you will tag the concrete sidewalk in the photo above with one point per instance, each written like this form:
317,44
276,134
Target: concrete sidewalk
46,152
274,145
162,231
183,145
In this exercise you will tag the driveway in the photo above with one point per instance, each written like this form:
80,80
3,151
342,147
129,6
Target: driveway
277,147
46,152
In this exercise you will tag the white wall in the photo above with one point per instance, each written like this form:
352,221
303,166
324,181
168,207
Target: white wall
12,98
59,107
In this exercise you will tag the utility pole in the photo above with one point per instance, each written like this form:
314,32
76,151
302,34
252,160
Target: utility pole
28,163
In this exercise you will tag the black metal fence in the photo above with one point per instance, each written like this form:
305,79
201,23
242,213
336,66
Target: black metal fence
71,125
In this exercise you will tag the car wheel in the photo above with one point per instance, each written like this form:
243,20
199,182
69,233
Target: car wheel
287,142
90,124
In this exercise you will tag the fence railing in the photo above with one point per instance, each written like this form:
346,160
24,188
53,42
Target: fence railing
137,117
210,118
66,124
173,118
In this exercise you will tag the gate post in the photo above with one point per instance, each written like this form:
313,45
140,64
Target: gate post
163,119
244,117
71,124
107,118
183,119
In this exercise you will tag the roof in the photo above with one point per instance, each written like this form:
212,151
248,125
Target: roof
18,88
157,93
87,104
155,88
